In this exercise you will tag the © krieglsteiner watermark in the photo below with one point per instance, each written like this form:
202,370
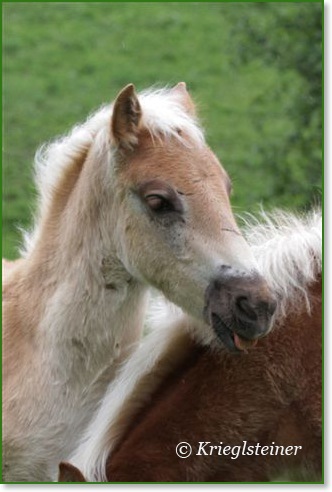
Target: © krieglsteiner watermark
206,448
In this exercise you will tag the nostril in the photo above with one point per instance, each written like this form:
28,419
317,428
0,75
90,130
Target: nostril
244,309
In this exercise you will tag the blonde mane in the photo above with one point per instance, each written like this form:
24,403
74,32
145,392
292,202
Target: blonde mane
163,116
288,250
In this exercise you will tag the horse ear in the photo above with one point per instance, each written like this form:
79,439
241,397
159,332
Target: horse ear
69,473
126,117
180,90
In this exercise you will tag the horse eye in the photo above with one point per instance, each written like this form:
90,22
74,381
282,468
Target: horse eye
158,203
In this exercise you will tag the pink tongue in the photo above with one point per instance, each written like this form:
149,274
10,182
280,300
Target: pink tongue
242,344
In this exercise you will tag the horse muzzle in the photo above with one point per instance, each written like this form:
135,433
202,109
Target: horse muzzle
239,307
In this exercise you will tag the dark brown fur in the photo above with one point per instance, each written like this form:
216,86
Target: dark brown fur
69,473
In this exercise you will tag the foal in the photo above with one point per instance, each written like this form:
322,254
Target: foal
270,396
131,198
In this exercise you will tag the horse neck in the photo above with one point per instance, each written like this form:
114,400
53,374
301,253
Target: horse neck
91,305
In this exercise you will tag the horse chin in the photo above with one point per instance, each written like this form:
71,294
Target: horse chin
231,340
224,333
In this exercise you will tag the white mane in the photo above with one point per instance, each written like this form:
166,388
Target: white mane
163,115
288,249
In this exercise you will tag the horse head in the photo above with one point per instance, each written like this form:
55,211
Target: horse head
175,228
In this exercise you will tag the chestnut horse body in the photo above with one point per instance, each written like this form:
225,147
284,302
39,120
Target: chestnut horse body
271,395
212,399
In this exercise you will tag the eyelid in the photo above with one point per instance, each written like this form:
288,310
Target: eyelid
161,193
153,186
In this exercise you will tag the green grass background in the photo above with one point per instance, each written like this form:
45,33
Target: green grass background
254,70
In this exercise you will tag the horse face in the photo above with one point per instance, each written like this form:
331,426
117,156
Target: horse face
177,232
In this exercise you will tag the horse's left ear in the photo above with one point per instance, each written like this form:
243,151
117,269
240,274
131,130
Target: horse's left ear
126,117
69,473
180,90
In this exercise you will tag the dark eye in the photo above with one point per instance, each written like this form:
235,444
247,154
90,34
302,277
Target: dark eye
159,203
162,200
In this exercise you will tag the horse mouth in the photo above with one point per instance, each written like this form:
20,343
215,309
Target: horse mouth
232,341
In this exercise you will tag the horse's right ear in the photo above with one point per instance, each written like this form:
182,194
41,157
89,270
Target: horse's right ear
126,118
69,473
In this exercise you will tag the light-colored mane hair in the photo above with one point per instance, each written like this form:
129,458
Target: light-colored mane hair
288,249
163,115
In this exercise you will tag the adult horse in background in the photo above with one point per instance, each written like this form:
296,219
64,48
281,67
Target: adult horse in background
270,396
131,198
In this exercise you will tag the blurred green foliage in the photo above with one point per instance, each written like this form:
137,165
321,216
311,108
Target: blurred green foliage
253,68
